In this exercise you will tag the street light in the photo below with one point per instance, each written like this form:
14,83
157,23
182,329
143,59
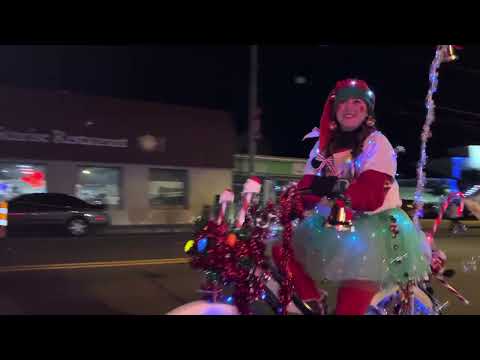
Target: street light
300,80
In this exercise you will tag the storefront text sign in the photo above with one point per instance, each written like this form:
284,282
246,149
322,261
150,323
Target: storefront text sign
60,137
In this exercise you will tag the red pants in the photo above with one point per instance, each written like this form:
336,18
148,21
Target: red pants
304,284
353,296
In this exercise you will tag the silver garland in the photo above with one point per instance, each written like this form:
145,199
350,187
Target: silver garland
444,53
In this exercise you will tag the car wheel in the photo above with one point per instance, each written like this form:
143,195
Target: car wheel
77,227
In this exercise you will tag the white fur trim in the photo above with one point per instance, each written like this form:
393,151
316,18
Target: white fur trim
251,186
227,196
315,133
204,308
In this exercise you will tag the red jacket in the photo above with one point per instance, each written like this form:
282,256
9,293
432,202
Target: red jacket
367,192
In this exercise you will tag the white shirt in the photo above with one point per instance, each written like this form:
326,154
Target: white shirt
377,154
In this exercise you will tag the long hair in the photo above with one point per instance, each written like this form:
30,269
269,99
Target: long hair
349,139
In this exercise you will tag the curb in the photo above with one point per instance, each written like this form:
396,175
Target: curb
146,229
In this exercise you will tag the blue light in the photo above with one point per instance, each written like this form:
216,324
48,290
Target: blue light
215,310
453,185
229,299
457,166
202,244
264,296
421,309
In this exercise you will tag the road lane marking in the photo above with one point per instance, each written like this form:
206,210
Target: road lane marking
93,265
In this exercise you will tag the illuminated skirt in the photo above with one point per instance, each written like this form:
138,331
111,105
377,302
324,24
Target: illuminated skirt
370,252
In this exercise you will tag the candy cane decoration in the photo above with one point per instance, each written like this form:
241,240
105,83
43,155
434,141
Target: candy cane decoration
225,198
438,261
444,207
252,186
452,289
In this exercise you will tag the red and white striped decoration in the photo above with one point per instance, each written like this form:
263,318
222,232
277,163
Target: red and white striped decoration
225,198
252,186
444,207
452,289
326,162
438,257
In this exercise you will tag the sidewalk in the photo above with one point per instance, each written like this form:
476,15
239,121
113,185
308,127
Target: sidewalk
146,229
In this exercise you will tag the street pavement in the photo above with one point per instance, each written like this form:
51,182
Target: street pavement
147,274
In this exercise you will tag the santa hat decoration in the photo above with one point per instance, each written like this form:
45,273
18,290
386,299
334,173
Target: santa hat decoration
325,120
225,198
252,185
344,90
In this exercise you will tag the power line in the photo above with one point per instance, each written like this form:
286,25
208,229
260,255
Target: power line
446,108
466,69
463,112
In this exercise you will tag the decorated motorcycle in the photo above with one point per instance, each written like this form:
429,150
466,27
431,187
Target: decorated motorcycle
240,278
385,248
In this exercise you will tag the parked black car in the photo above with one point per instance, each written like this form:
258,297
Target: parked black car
53,211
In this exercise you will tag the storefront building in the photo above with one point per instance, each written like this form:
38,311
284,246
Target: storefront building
151,163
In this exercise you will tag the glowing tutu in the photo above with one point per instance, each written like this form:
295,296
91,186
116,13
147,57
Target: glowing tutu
370,252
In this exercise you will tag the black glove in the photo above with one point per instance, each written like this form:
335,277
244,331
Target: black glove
340,187
315,163
323,185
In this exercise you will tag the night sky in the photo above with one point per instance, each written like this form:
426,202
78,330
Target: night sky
217,77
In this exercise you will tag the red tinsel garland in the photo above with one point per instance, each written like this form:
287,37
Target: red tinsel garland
229,261
243,262
291,207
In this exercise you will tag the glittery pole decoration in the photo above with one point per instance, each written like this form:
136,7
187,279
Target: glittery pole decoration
443,54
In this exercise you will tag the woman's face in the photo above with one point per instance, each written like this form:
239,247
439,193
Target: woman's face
351,114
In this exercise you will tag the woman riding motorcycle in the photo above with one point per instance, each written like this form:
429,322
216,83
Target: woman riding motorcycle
355,164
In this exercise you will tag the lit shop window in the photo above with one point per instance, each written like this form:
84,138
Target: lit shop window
19,179
168,188
99,185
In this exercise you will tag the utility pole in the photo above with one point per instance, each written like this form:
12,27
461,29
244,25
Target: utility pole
252,110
